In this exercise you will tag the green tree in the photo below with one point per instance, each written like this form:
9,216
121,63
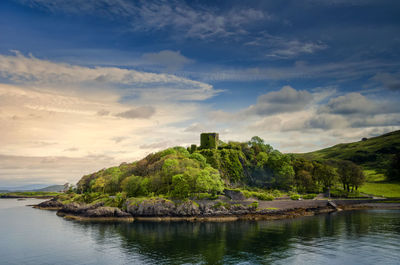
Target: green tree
350,175
393,170
325,174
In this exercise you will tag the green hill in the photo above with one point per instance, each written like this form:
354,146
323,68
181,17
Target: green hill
371,154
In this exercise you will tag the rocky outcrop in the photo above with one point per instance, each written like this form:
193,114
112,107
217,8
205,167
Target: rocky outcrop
106,212
159,207
235,195
52,204
187,208
94,210
151,207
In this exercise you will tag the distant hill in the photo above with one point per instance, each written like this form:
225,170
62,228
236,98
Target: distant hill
29,187
33,187
55,188
373,153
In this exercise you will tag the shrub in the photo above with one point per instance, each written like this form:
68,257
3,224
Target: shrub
309,196
295,197
276,193
253,205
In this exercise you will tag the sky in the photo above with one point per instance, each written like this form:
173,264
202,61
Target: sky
90,84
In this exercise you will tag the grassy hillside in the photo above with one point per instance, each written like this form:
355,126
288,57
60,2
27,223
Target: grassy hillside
371,154
374,155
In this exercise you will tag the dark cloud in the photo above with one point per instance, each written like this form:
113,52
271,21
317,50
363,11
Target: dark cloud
170,59
388,80
119,139
357,104
285,100
72,149
103,112
143,112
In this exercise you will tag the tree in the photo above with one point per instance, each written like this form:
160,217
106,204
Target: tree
325,174
350,175
259,146
99,184
393,171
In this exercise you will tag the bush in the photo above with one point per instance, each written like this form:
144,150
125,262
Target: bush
276,193
253,205
309,196
295,197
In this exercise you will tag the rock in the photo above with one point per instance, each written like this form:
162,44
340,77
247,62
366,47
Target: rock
93,210
152,207
53,203
235,195
106,212
187,208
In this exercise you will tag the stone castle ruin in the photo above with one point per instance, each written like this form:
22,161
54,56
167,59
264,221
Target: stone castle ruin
209,140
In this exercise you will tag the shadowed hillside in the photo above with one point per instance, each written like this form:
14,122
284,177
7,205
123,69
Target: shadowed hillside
373,153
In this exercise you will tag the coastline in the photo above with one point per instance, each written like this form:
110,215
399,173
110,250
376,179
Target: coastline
297,210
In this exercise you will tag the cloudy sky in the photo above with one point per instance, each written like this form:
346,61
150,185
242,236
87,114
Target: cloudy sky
89,84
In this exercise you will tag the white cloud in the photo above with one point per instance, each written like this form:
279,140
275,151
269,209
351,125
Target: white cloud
70,78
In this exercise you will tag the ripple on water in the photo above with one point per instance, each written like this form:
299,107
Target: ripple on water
31,236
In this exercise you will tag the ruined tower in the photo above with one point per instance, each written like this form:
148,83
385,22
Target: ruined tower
209,140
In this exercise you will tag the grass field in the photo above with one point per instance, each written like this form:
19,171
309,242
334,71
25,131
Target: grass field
385,189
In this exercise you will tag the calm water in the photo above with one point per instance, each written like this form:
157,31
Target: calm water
31,236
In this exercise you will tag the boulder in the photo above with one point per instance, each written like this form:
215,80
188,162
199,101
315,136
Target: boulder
53,203
187,208
106,212
235,195
151,207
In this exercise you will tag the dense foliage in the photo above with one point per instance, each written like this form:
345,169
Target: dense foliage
172,172
195,172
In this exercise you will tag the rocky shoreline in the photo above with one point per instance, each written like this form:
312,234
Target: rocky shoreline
159,209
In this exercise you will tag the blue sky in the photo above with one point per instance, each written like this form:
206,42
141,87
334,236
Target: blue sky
89,84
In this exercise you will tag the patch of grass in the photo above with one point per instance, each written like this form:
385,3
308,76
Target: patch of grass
384,189
309,196
253,205
373,176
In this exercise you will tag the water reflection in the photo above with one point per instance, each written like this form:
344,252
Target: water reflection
31,236
257,242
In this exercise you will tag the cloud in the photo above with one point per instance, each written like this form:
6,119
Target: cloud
48,169
143,112
72,149
355,103
327,122
103,112
285,100
105,81
170,59
156,145
119,139
195,127
339,71
182,19
388,80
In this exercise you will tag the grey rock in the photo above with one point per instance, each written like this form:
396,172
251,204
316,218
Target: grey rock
235,195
